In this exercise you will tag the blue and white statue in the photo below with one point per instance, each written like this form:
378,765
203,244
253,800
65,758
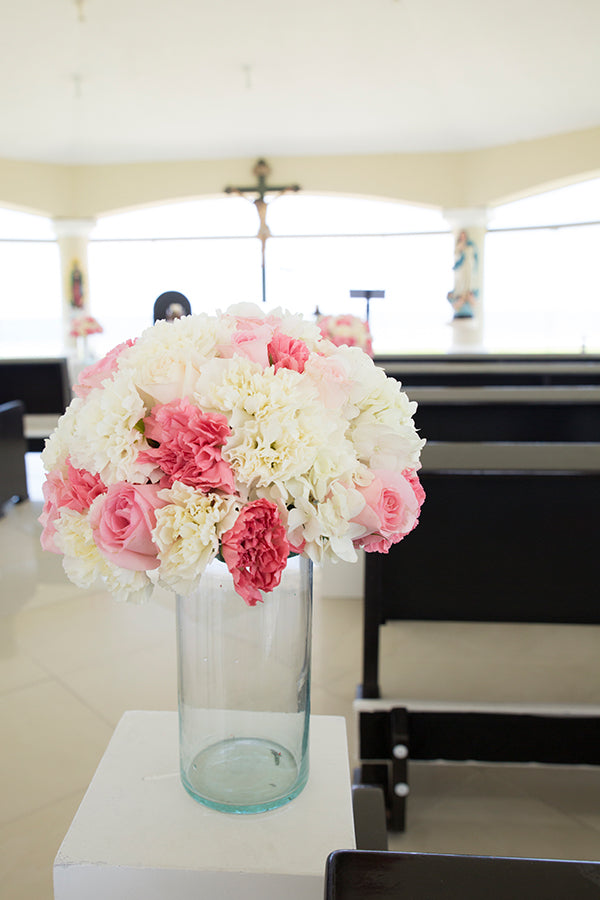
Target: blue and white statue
464,296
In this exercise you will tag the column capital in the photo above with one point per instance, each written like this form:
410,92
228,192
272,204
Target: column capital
67,227
467,217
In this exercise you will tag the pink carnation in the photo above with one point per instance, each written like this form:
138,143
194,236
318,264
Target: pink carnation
286,352
392,505
123,524
189,446
95,374
75,490
255,550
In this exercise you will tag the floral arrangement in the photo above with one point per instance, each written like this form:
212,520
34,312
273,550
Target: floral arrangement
244,436
347,330
84,325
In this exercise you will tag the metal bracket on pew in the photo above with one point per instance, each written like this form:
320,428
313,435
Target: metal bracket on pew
384,754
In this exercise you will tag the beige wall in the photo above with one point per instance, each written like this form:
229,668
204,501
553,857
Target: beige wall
474,178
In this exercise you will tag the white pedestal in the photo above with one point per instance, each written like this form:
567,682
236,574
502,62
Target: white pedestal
139,834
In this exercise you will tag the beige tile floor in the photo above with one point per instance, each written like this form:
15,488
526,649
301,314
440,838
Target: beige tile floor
71,662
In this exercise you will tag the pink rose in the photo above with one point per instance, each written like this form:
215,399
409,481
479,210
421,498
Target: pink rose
94,375
413,479
250,339
190,443
392,505
330,377
375,543
286,352
74,490
123,523
255,550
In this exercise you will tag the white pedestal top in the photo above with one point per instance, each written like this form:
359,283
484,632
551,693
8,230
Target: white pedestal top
138,833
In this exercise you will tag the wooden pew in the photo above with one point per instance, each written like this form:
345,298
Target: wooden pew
508,533
488,370
13,480
43,385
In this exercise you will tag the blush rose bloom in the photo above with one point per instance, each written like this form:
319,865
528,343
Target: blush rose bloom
122,525
255,550
393,502
95,374
286,352
76,489
190,443
250,340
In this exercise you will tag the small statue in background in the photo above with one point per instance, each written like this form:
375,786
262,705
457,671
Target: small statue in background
464,295
174,311
170,306
76,277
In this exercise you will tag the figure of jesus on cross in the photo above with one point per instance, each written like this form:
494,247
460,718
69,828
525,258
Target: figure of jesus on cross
262,170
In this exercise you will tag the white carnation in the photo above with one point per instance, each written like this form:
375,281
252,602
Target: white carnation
326,527
105,439
59,445
382,447
223,385
380,414
167,359
295,326
277,419
187,532
127,584
82,561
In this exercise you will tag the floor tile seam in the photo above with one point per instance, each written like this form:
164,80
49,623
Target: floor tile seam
76,794
340,687
82,700
21,688
324,678
51,673
323,686
46,679
96,661
584,824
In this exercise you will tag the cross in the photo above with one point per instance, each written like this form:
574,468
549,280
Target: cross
262,171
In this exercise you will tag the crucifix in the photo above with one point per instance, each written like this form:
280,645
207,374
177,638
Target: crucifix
262,171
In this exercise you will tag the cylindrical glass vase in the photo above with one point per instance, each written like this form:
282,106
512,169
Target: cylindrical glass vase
244,690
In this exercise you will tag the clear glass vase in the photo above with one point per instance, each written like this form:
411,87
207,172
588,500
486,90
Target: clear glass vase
244,690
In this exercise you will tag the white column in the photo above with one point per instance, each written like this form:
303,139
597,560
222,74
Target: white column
466,298
73,237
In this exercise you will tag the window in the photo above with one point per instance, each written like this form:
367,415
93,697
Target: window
542,273
30,286
320,249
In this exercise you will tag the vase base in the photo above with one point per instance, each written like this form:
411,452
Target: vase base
244,775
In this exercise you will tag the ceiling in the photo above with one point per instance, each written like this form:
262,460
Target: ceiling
107,81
